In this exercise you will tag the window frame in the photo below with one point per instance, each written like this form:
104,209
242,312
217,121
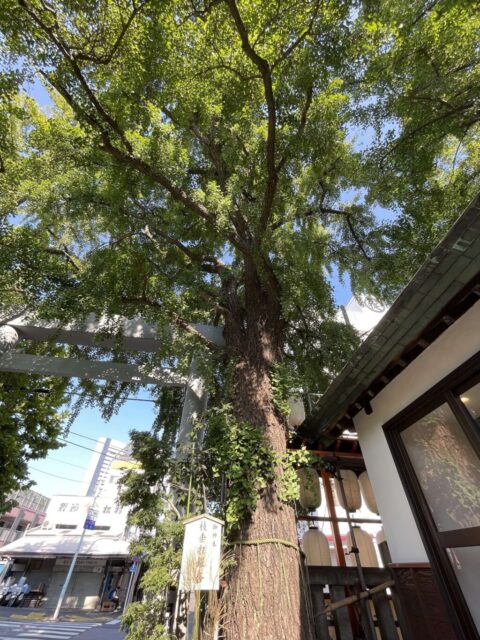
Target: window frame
448,391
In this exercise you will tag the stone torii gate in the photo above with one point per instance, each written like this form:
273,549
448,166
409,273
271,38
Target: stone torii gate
136,335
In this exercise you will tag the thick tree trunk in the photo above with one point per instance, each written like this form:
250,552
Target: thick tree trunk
266,596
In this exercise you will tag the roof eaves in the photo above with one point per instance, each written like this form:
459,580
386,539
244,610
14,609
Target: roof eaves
453,264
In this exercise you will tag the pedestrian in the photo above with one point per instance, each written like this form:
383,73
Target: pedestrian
115,598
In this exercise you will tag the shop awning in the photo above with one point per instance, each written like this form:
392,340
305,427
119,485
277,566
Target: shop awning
38,545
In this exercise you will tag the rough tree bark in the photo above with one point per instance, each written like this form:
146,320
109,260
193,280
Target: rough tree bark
268,575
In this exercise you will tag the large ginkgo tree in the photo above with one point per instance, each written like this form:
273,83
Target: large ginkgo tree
223,161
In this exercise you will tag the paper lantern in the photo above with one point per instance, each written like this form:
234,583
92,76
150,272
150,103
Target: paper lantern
8,338
297,412
352,491
380,537
310,495
367,492
316,548
383,549
368,557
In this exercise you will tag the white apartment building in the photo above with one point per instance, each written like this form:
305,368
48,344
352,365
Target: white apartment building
98,472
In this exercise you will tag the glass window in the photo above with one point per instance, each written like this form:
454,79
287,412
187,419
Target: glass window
447,469
471,399
466,564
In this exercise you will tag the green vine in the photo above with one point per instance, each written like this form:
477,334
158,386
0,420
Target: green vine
238,449
285,385
290,461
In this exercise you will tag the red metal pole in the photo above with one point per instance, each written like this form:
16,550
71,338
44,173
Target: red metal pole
333,515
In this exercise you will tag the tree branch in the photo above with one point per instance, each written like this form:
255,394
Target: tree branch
210,264
301,126
106,59
410,134
143,167
125,157
64,49
211,146
174,319
424,13
266,73
63,252
298,41
356,237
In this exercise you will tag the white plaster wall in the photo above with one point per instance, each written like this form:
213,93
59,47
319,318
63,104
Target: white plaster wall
458,343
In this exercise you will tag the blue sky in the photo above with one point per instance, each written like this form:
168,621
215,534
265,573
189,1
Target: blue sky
70,462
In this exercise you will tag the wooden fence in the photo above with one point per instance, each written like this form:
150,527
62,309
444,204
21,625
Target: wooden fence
330,585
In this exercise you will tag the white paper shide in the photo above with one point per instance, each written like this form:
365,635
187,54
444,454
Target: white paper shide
201,554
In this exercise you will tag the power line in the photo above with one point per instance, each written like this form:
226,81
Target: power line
55,476
128,398
112,450
107,455
78,445
80,435
70,464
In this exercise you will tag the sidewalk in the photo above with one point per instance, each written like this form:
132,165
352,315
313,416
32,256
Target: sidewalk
67,615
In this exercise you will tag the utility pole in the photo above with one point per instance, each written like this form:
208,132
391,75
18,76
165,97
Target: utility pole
89,524
129,589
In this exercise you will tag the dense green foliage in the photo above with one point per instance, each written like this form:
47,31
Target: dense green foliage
158,515
30,423
197,162
420,93
134,186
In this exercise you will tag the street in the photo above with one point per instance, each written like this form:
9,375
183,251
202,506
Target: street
61,630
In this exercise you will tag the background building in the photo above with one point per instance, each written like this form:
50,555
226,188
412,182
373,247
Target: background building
44,554
106,451
28,512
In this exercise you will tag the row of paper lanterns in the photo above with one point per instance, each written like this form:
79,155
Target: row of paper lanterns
315,543
317,549
354,488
